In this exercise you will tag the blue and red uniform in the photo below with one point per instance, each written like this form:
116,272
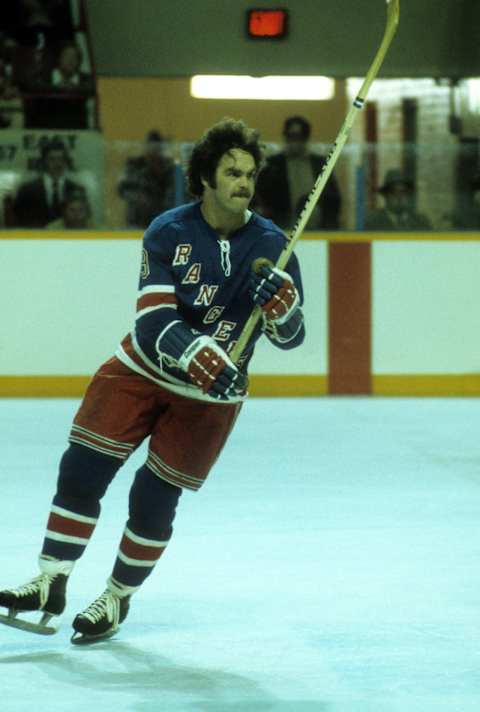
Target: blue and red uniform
188,276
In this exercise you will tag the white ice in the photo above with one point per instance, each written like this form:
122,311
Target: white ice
330,564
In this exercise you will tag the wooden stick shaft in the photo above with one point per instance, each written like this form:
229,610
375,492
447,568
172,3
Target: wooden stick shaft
390,29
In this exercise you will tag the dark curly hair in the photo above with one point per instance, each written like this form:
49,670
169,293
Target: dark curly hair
218,140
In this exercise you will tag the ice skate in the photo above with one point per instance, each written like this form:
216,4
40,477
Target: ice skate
101,619
44,593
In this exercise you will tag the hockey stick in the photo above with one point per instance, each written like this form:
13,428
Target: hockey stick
393,16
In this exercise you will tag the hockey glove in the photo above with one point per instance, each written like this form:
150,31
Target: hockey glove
273,290
206,363
210,368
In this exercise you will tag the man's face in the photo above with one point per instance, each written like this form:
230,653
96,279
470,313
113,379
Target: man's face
75,214
235,181
295,141
69,61
55,163
399,198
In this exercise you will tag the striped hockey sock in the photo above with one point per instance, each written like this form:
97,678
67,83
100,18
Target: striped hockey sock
69,529
135,561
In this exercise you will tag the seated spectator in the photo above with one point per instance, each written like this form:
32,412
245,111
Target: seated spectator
76,213
31,22
469,217
39,201
65,94
148,185
8,92
399,211
67,75
288,177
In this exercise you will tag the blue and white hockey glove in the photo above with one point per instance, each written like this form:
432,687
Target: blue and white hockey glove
273,291
207,364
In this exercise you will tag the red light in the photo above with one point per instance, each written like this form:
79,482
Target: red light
269,24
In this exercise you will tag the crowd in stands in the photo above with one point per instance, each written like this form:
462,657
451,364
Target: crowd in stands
46,76
53,199
42,64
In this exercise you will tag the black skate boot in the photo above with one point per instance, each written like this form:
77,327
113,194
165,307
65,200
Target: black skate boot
45,593
101,619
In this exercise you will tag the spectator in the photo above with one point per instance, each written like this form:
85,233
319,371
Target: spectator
65,94
288,177
399,211
30,22
8,92
39,201
76,213
67,75
148,185
469,217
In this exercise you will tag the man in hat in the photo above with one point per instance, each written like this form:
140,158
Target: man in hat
399,211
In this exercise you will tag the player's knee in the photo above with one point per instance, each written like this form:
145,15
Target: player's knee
86,474
152,505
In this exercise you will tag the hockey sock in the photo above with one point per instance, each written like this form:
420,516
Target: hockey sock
152,505
83,480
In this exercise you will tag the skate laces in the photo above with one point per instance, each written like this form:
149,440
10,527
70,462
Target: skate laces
40,584
107,604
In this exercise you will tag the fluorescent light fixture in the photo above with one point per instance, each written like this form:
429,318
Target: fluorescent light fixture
270,88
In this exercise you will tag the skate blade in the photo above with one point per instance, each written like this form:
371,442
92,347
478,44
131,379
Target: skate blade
40,628
84,639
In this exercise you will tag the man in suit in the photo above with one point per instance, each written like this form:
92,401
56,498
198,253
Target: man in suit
288,177
39,201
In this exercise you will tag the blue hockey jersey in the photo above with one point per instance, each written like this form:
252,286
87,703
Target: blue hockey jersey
188,273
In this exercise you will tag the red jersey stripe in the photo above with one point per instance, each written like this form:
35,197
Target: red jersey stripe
155,300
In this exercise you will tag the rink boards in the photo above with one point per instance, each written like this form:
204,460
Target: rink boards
385,313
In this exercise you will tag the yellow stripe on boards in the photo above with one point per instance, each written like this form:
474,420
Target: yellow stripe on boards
75,386
448,385
43,386
288,385
265,385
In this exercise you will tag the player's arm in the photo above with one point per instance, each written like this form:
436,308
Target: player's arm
163,335
280,296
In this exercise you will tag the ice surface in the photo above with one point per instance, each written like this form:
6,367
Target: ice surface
330,564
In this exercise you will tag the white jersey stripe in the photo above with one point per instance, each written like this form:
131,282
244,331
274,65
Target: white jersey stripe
149,310
157,289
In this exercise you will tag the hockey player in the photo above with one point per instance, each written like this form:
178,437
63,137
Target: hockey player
171,380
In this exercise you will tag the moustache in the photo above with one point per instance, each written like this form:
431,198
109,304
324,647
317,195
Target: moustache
241,195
